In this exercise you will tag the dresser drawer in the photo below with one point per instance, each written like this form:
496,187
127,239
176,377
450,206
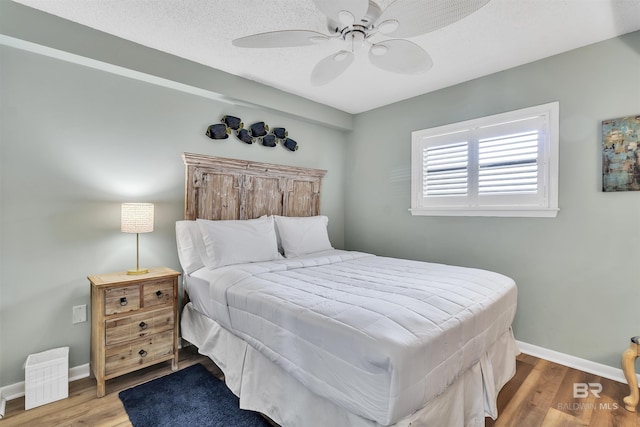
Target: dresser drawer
125,357
136,326
121,299
134,322
157,293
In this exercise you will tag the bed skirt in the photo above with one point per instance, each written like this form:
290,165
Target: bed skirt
264,387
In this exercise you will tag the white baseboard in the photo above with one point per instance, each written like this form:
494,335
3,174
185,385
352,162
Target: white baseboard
585,365
17,390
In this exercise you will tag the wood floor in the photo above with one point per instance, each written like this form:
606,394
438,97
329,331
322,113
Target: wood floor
540,394
83,408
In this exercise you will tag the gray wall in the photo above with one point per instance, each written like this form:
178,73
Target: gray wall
75,143
577,274
31,25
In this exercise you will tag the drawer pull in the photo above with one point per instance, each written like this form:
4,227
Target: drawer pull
143,326
123,301
142,353
159,294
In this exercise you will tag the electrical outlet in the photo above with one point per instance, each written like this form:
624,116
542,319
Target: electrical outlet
80,313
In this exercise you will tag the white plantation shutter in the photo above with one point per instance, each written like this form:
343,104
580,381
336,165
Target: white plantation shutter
445,170
508,164
503,165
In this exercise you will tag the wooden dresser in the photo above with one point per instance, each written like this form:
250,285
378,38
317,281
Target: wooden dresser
134,322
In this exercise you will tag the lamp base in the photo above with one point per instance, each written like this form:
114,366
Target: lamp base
138,271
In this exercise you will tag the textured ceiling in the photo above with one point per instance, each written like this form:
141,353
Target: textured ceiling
501,35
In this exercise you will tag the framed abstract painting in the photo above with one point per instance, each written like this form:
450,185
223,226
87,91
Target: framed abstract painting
621,154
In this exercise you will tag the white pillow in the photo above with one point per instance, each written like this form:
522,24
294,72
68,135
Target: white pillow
191,249
238,241
303,235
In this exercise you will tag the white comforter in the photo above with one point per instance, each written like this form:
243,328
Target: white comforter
377,336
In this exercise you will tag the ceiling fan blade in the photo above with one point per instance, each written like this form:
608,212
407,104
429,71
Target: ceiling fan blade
332,8
410,18
331,67
287,38
400,56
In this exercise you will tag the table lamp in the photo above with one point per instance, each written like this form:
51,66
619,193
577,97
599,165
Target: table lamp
137,218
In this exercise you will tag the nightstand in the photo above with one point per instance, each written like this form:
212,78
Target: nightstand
134,322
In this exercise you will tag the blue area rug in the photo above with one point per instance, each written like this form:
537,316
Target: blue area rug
189,397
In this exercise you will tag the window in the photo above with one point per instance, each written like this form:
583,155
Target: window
501,165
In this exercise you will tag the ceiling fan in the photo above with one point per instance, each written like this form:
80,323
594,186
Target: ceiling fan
356,22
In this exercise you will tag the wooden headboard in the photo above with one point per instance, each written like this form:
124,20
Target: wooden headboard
221,188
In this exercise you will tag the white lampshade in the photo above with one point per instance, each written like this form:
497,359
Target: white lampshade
137,218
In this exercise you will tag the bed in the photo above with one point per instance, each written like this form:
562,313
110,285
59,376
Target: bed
314,336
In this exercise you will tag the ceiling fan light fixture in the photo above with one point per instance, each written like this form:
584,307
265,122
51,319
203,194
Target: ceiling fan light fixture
340,56
388,26
318,39
378,49
331,67
346,18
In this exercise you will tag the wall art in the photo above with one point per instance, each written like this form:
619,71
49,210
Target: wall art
244,136
257,131
621,154
290,144
269,140
232,122
280,133
218,131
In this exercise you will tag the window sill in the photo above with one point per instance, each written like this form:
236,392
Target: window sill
518,212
